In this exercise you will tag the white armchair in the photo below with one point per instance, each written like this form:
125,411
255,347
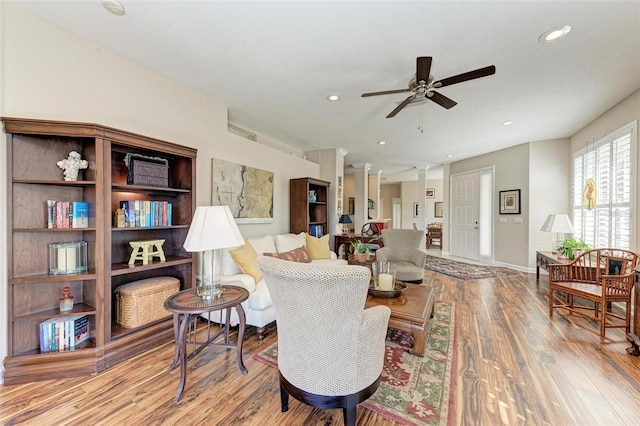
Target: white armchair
402,247
330,349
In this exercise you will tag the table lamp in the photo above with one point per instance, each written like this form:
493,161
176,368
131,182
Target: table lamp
212,229
557,224
344,219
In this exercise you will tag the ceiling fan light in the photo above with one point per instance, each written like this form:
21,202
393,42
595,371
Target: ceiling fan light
554,34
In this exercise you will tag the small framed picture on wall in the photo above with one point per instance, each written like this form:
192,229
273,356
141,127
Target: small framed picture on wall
416,210
430,193
510,201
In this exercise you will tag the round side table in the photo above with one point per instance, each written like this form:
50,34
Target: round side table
186,306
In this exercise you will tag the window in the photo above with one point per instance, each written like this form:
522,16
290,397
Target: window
610,164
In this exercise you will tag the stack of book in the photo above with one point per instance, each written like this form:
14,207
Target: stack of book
145,213
316,230
67,214
63,333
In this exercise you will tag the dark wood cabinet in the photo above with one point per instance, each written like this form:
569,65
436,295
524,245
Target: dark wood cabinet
308,206
33,149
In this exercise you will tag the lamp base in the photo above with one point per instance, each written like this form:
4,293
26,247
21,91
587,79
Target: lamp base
208,292
345,230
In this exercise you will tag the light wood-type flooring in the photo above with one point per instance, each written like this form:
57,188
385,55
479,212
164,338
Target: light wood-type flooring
515,366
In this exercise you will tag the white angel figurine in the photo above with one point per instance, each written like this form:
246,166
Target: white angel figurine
72,165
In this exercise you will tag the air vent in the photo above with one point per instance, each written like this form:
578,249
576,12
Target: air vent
241,132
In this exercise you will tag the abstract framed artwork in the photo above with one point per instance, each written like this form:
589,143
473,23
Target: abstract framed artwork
246,190
510,201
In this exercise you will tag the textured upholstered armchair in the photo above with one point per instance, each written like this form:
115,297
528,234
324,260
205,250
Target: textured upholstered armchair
403,247
330,349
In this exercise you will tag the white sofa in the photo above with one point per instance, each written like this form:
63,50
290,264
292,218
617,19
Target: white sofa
258,308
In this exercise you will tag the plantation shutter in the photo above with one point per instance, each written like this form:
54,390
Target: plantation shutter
610,162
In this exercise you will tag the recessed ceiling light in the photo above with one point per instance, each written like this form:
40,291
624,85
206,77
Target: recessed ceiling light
450,156
506,123
554,34
333,98
382,142
114,7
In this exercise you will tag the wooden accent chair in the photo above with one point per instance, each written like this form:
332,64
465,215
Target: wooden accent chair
330,348
434,233
600,276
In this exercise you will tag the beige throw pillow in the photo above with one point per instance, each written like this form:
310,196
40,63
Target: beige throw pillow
245,257
318,248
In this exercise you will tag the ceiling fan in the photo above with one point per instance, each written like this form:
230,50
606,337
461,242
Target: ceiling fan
424,85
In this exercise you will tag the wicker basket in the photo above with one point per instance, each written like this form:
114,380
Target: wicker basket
141,302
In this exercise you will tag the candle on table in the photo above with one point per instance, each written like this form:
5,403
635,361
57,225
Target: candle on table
385,282
66,259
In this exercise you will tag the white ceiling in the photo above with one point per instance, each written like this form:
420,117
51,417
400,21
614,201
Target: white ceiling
274,62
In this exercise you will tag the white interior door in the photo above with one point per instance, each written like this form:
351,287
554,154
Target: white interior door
396,213
465,190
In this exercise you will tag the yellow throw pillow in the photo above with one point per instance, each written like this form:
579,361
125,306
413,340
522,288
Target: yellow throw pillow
318,248
245,257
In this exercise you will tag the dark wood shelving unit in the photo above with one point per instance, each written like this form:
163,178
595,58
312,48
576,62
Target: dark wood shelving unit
33,149
305,213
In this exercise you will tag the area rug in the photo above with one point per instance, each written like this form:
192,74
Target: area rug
413,390
466,271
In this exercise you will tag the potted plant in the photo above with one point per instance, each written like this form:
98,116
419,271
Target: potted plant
361,249
571,247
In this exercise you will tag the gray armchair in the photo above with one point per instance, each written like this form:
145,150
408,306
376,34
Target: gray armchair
330,348
402,247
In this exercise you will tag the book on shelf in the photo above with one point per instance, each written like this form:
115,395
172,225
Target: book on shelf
146,213
63,333
316,230
67,214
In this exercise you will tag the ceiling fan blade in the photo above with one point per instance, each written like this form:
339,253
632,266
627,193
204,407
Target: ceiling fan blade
481,72
442,100
386,92
402,105
423,68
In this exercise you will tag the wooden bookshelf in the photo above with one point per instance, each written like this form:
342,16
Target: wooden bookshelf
304,213
33,149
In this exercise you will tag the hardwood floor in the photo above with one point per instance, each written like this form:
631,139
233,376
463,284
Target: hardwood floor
515,366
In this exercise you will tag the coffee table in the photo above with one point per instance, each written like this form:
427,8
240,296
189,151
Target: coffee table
409,312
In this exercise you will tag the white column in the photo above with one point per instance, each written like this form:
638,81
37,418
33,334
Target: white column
361,175
421,221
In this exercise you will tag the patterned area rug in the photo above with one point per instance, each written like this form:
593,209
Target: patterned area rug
413,390
466,271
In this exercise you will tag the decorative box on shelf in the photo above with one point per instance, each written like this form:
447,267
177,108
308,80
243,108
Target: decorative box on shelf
143,170
68,258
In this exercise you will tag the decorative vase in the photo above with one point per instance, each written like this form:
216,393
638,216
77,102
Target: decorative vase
312,196
66,301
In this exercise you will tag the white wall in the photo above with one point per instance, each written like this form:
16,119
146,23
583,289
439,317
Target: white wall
549,189
430,207
49,73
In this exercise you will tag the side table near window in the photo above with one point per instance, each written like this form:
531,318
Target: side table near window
186,306
546,258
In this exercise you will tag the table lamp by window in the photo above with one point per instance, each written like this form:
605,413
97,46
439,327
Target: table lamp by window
212,229
344,219
557,224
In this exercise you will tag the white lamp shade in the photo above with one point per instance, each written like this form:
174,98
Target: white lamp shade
212,227
559,223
